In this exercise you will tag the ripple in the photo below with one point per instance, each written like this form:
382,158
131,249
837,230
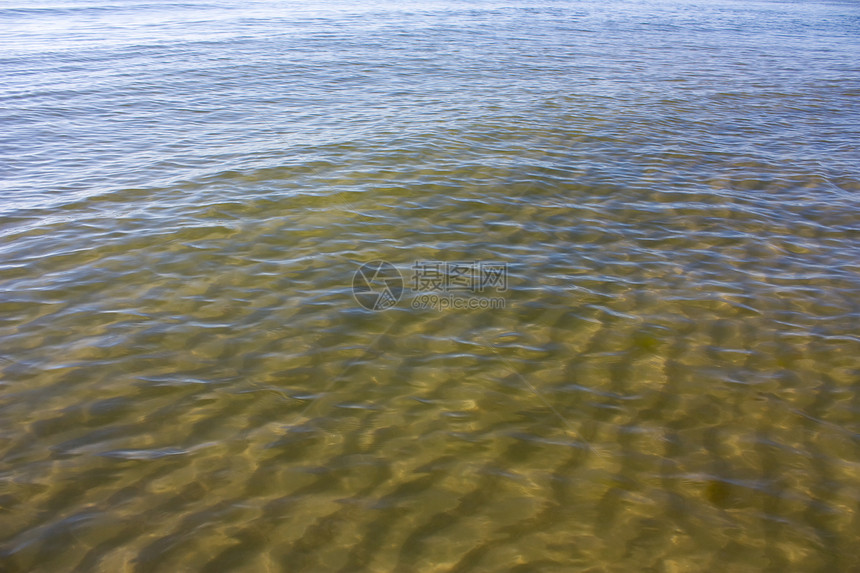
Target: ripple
190,384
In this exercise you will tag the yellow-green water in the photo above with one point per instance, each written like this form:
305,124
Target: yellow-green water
188,384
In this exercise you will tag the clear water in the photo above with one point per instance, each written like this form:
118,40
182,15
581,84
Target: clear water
188,384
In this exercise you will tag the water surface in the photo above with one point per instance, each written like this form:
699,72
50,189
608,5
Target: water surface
188,384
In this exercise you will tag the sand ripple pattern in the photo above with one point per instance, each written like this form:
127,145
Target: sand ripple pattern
187,384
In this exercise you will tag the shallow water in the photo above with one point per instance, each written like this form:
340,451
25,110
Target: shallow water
187,382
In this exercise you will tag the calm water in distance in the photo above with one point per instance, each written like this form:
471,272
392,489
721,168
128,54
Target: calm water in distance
187,382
